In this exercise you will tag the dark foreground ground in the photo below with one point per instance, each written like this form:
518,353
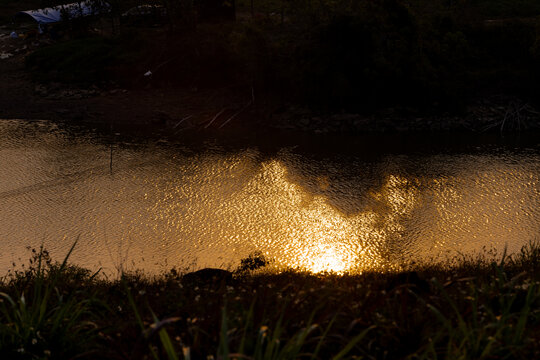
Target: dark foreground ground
477,309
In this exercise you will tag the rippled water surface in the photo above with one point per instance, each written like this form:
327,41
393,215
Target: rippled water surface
163,205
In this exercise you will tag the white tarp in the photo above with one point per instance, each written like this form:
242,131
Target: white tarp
72,11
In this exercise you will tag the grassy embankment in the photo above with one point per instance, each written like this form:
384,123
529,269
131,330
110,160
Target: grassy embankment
476,310
420,55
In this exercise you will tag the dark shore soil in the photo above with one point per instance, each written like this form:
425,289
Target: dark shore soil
227,109
22,98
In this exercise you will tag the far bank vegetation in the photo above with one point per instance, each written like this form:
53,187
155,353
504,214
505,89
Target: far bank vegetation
339,55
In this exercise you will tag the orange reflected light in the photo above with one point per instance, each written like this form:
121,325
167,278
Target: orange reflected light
319,237
242,203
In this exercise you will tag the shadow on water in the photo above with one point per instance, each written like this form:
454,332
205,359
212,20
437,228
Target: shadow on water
366,145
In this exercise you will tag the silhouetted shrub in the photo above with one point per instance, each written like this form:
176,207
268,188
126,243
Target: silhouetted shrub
252,262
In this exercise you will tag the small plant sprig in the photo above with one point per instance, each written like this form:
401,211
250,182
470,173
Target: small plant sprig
40,321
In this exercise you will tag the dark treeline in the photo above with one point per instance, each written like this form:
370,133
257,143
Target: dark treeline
331,55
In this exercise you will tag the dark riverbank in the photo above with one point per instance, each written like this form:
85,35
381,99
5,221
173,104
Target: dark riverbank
375,67
473,309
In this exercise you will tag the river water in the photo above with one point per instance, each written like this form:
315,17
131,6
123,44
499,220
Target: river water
162,204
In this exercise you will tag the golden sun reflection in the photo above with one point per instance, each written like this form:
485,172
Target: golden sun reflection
316,236
232,206
165,206
326,259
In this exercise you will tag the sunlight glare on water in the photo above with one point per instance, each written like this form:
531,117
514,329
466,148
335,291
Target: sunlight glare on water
167,206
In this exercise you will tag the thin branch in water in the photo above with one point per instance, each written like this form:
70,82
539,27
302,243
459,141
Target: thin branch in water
215,117
236,114
181,121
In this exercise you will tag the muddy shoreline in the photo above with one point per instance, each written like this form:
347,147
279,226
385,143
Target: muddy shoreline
228,110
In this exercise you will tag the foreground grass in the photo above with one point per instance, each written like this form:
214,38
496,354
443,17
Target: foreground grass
476,310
